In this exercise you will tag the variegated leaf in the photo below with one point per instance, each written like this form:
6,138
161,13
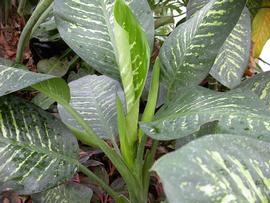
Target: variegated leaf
94,97
37,151
233,56
133,51
88,27
260,85
68,193
190,51
237,112
217,168
13,79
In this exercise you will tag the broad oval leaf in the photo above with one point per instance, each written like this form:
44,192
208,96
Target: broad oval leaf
260,85
94,97
133,51
217,168
237,112
88,27
37,151
190,51
67,193
233,56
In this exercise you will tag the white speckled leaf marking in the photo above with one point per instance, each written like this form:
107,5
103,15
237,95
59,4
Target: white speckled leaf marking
260,85
69,193
233,57
94,98
237,111
37,151
217,168
88,28
190,51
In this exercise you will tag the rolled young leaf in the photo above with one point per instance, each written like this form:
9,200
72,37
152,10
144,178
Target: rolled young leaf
37,151
88,28
238,112
190,51
217,168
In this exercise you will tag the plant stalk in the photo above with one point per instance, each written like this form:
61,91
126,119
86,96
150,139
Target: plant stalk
26,33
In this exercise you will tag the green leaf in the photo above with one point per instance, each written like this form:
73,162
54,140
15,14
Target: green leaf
190,51
13,79
53,66
68,193
217,168
56,89
260,85
87,27
42,101
94,98
133,51
37,151
233,57
237,111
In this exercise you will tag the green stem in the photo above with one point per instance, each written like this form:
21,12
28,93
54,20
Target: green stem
100,182
41,19
21,7
90,137
26,33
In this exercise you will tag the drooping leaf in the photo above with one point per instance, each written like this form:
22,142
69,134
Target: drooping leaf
260,28
237,112
67,193
233,57
37,150
232,60
13,79
217,168
94,97
87,27
260,85
190,51
133,52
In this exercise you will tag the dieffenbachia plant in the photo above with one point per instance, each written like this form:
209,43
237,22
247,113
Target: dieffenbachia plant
226,156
